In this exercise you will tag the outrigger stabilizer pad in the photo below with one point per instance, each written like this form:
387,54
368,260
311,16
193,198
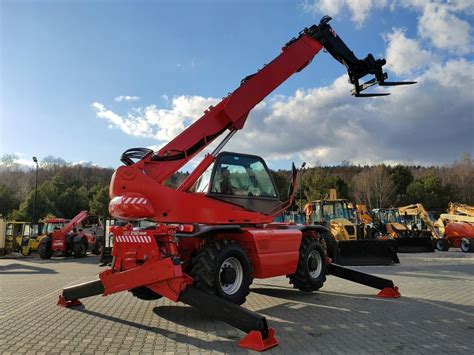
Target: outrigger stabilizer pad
389,292
63,302
388,289
254,340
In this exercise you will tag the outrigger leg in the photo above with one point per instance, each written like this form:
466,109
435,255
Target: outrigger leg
388,289
259,336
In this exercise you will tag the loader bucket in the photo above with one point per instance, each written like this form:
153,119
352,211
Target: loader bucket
367,252
422,244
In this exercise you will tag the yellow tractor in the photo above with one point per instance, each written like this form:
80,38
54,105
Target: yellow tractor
354,247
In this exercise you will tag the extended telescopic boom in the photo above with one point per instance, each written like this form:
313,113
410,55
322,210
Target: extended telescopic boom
138,181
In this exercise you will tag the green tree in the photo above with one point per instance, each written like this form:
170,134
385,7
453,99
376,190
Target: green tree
7,200
318,181
429,191
99,203
401,177
282,182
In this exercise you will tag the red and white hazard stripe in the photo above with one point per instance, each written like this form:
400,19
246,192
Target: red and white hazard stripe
145,239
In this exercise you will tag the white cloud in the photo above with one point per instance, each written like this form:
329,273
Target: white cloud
439,22
444,29
430,122
359,9
404,55
126,98
153,122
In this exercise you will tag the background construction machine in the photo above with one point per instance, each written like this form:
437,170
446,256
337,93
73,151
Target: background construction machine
419,220
214,233
456,228
353,247
67,238
16,237
388,223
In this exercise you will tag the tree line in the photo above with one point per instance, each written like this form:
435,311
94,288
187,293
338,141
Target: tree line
64,189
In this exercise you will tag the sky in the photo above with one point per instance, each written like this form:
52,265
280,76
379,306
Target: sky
86,80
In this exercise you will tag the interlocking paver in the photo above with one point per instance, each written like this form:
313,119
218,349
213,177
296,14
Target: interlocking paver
434,316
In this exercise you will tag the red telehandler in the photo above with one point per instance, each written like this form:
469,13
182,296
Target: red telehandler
68,240
214,233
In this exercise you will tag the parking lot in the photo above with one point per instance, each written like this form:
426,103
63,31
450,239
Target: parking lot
434,315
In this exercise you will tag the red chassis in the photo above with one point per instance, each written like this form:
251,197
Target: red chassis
208,244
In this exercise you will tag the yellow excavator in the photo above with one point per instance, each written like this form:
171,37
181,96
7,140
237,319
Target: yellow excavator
389,223
354,246
416,212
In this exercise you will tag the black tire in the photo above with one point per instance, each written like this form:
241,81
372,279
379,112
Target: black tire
144,293
222,268
79,249
467,245
331,245
45,251
312,268
442,244
97,248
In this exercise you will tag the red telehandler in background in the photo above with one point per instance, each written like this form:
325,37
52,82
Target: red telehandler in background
68,240
214,233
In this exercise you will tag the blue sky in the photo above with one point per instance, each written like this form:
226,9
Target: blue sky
64,65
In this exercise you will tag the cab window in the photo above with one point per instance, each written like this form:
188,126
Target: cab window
242,176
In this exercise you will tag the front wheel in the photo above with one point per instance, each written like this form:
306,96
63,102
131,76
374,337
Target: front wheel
45,251
442,244
312,268
222,268
467,245
79,249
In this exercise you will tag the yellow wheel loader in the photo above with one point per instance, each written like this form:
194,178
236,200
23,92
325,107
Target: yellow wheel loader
388,222
354,246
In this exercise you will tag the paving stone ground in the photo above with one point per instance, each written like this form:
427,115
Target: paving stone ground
434,316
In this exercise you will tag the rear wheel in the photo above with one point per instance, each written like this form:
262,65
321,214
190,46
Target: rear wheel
222,268
442,244
331,244
79,249
467,245
312,268
45,251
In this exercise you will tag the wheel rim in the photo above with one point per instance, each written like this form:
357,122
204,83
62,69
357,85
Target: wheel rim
465,245
231,265
315,264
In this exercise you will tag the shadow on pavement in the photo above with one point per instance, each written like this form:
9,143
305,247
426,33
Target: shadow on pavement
20,268
181,312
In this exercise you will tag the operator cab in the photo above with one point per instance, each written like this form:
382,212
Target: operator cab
240,179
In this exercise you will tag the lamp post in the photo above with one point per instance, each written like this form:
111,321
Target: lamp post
36,188
301,186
